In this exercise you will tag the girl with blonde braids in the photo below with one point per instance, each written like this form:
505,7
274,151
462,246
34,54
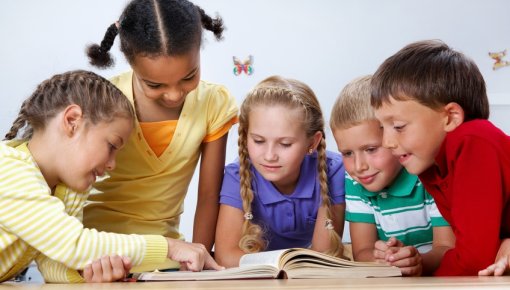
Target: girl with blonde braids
286,190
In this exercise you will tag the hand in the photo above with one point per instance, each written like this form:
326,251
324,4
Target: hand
394,253
193,257
107,269
497,269
382,249
502,264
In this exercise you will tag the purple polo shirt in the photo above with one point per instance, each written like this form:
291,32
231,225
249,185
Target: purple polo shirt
288,220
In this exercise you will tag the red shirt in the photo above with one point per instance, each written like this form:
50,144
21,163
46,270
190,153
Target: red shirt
470,183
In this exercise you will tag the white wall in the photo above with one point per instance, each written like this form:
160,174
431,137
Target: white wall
324,43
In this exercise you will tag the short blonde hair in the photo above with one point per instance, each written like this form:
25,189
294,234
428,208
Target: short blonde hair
353,104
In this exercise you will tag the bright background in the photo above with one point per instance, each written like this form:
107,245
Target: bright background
325,43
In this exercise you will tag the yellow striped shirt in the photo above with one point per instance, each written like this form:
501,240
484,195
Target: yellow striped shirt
36,224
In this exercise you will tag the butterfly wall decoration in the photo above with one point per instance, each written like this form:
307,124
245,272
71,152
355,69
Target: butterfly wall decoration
245,66
498,59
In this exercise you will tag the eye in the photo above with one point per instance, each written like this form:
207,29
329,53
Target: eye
347,154
189,78
153,86
371,149
111,147
399,128
286,145
258,141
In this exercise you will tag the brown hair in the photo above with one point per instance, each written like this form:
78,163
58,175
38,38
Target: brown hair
352,106
99,100
292,94
434,75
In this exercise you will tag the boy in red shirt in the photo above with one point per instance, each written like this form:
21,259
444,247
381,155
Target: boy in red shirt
433,106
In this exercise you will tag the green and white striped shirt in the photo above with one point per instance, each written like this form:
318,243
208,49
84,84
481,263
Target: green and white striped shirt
404,210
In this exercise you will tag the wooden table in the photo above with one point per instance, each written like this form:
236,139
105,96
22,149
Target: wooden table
312,284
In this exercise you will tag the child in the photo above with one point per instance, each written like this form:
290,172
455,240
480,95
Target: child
179,119
433,106
392,218
74,124
286,190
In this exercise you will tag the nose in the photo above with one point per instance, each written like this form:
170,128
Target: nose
110,164
270,154
389,140
174,94
360,164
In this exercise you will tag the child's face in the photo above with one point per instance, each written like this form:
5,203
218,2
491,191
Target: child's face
91,152
277,144
365,159
166,80
413,132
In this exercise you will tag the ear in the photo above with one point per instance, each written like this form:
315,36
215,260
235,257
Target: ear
72,118
454,116
316,140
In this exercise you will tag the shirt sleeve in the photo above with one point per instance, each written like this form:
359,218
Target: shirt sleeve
358,207
221,110
336,180
55,272
477,206
230,193
436,219
29,211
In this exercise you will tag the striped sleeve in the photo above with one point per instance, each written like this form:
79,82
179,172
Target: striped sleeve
31,213
358,208
55,272
436,218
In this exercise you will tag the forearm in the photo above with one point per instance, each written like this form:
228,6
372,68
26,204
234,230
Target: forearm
364,255
204,226
432,259
55,272
228,257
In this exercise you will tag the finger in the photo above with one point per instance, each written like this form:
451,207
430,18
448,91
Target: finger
402,253
106,267
380,245
501,267
97,271
489,271
87,273
127,264
118,271
391,242
210,263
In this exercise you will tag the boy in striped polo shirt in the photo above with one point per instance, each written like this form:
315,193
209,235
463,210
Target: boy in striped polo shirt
392,218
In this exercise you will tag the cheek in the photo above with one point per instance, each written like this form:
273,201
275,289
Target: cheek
349,165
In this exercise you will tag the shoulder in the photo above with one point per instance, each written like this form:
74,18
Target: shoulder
9,154
334,163
481,131
213,92
232,169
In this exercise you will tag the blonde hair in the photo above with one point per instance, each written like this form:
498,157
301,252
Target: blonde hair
99,100
292,94
353,104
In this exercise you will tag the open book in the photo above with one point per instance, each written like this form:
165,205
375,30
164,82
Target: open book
289,263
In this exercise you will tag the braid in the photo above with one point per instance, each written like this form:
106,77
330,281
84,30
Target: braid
251,240
336,248
99,55
214,25
19,123
99,100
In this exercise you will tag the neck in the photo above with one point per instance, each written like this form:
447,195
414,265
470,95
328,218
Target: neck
45,157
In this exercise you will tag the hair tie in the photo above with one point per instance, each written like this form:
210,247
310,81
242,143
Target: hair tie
329,224
248,216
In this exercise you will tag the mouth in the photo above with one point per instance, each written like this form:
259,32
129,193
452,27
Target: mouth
367,179
403,158
271,167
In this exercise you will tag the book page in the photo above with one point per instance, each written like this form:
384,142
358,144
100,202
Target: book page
271,258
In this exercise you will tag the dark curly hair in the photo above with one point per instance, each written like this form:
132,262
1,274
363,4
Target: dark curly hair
154,28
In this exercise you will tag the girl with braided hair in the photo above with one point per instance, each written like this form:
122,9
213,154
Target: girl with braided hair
66,135
286,190
179,120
